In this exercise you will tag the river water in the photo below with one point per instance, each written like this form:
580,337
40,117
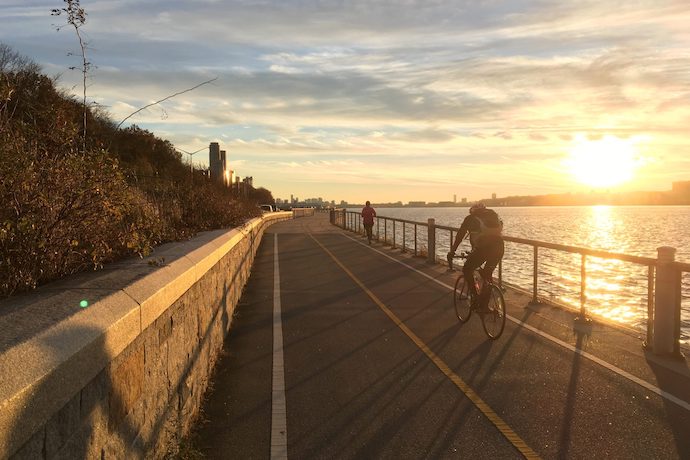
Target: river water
615,290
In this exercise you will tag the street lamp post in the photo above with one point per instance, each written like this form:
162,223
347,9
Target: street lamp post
191,165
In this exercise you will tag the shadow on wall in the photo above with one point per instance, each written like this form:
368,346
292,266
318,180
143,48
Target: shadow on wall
92,423
125,408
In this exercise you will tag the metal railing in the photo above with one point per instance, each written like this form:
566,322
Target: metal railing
662,271
302,212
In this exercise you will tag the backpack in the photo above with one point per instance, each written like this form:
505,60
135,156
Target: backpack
490,225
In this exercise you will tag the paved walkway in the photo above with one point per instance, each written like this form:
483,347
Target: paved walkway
374,364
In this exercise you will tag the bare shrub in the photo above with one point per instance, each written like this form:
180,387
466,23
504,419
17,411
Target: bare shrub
65,208
64,215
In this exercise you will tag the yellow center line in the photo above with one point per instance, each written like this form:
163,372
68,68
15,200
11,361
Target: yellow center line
498,422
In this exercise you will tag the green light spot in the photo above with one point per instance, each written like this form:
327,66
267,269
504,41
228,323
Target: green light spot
84,303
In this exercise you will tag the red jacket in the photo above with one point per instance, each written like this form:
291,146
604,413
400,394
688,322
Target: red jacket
368,215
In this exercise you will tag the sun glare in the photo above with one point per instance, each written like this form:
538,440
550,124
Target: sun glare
604,162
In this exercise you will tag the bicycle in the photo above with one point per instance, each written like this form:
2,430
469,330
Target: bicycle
493,319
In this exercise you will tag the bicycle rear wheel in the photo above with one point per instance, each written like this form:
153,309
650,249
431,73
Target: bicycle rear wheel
462,300
494,320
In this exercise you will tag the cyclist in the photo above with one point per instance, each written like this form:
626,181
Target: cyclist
485,229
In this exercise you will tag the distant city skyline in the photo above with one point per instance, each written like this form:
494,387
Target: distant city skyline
394,100
677,193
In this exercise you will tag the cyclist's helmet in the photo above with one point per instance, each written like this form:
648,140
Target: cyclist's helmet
476,207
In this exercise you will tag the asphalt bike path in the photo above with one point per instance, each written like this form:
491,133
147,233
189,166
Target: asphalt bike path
376,365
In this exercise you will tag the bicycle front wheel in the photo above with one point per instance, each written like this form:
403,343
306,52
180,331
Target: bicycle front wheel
461,300
494,320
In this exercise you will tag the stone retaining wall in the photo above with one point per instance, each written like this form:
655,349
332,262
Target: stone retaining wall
113,364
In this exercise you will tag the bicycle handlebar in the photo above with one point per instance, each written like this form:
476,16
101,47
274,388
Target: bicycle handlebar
449,258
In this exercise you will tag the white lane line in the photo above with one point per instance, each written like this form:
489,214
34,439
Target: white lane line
279,410
654,389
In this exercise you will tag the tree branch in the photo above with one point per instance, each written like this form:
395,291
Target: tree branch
165,99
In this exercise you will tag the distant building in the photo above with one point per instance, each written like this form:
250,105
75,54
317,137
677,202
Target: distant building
416,203
682,187
218,165
455,198
493,196
224,166
215,162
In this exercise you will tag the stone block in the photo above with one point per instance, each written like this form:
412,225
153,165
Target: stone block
114,448
33,449
95,430
94,395
157,291
127,385
62,425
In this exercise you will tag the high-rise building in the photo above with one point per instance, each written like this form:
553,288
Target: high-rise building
218,165
224,170
215,162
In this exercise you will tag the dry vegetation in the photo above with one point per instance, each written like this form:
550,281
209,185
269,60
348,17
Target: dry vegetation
71,202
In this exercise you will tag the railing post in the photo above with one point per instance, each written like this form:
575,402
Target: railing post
393,233
378,230
664,334
415,239
650,305
403,243
582,318
385,230
431,241
678,306
535,276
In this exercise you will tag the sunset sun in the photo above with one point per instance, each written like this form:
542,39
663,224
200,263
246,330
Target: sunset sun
605,162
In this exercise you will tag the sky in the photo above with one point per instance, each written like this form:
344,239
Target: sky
391,100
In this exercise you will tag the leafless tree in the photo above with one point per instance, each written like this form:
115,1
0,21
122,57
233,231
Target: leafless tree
76,17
